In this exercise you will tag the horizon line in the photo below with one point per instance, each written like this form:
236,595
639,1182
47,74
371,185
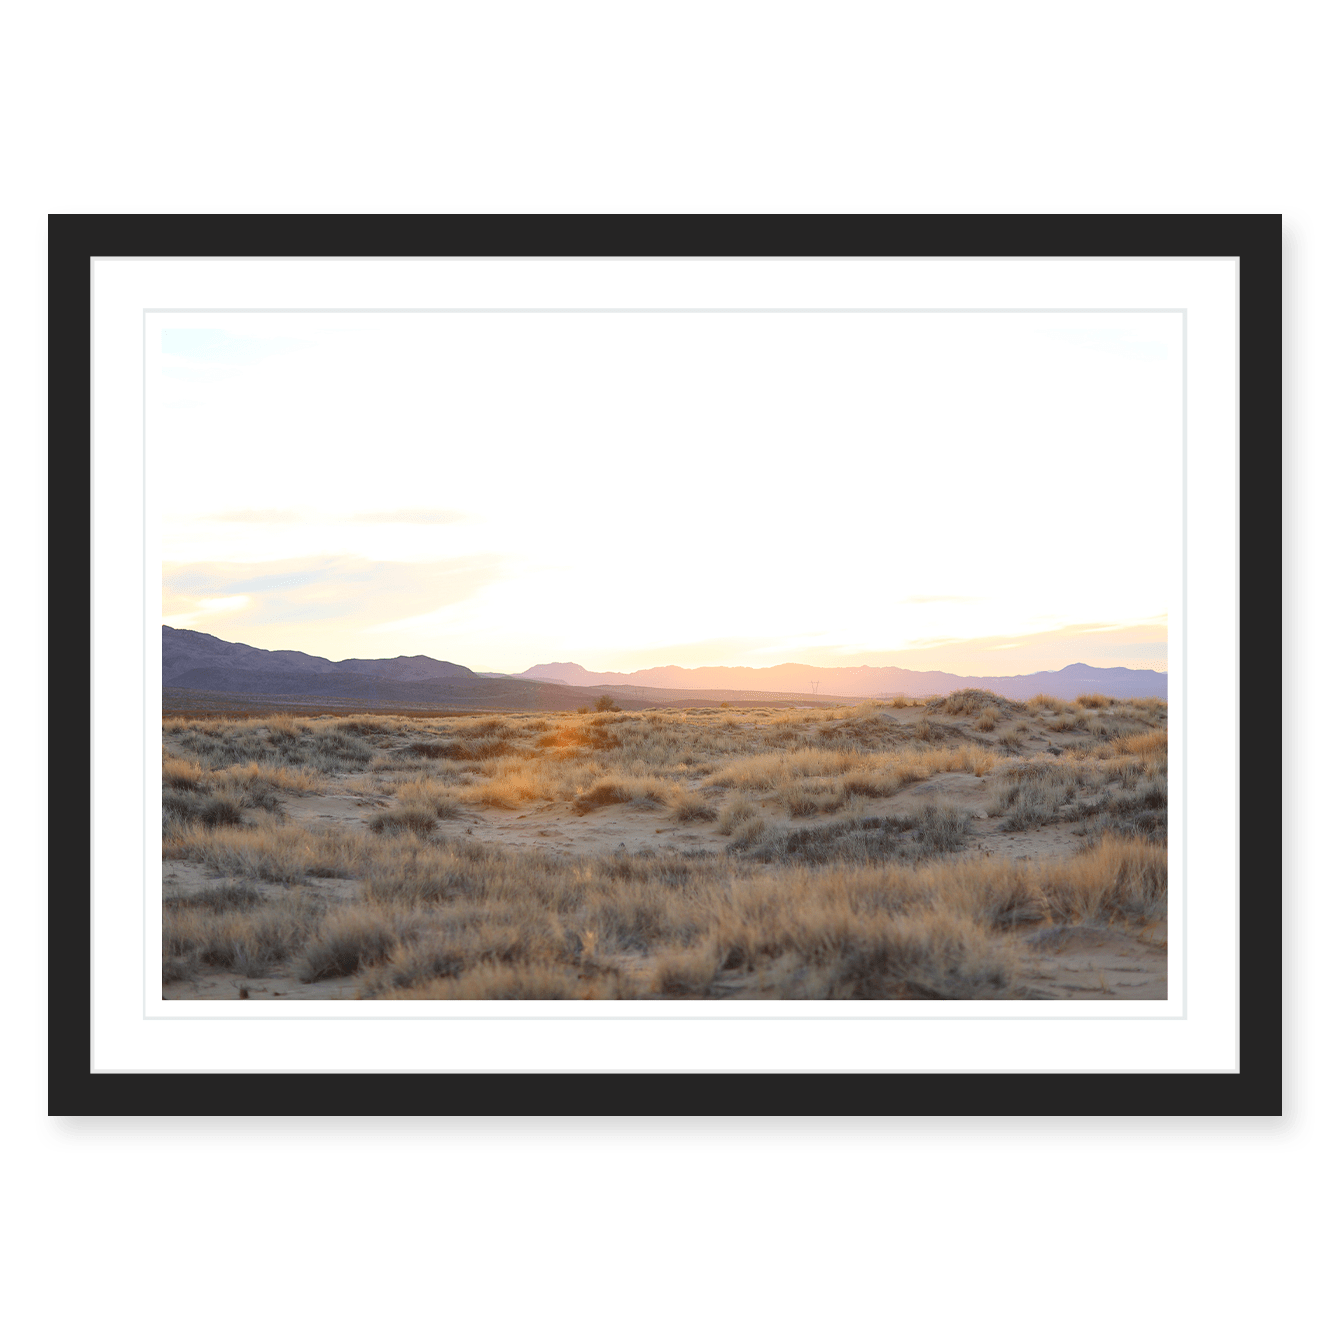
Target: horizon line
687,668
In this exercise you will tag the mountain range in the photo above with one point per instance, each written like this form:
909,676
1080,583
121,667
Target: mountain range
863,680
200,663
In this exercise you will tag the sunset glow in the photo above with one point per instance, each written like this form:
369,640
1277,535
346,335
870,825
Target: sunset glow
987,494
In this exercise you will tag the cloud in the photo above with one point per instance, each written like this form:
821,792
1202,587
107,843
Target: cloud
207,608
318,604
1154,623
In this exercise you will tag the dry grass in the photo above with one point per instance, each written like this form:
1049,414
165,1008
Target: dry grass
988,720
1043,702
809,780
1065,721
1031,794
348,940
625,790
237,931
972,702
444,922
272,851
806,893
1096,700
487,983
691,806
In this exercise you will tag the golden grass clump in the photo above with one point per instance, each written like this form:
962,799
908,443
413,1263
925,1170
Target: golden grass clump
293,780
624,790
1151,744
272,851
1095,700
1043,702
691,806
685,973
182,774
513,786
737,811
988,720
1116,880
426,793
971,702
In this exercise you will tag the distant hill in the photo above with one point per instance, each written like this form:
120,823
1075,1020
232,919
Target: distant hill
200,663
864,680
199,660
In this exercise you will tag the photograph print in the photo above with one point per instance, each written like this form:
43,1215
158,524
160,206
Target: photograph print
666,655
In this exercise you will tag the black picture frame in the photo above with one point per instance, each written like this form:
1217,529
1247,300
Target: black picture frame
1255,240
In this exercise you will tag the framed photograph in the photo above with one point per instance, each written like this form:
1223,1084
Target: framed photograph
531,657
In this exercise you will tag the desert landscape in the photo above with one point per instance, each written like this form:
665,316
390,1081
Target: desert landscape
511,656
959,847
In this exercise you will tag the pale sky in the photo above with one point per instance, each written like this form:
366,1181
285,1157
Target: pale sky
985,494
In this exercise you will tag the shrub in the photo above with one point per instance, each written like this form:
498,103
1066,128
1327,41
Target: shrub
628,790
692,807
970,702
736,813
1031,795
748,833
464,750
1064,722
248,938
943,827
429,795
606,703
855,840
1096,700
181,775
415,818
988,719
211,810
685,973
347,941
219,900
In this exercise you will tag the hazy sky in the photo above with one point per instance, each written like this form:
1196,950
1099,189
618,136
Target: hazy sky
978,493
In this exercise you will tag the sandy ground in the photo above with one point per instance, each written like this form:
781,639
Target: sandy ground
1079,963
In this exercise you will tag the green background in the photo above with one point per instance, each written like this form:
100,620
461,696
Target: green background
617,103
